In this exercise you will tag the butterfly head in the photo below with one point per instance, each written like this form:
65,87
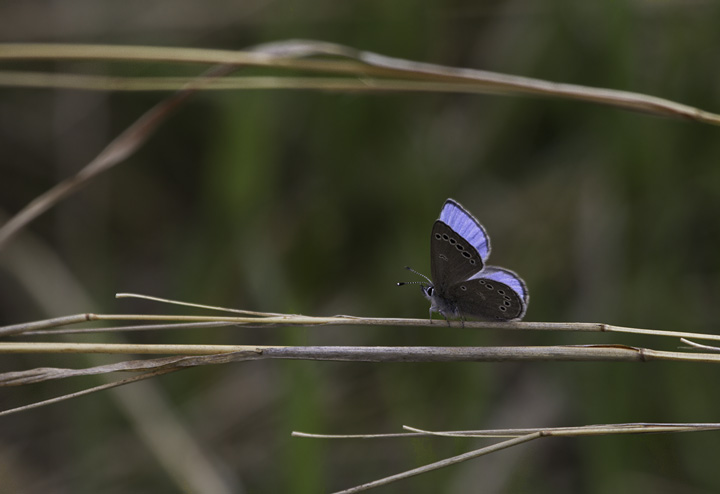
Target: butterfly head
427,287
428,290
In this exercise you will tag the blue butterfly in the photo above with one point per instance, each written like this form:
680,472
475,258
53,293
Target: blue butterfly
462,284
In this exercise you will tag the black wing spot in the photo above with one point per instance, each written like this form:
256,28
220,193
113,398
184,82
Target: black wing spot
501,292
502,308
452,241
463,288
445,236
438,236
467,254
506,297
489,286
472,261
506,303
482,282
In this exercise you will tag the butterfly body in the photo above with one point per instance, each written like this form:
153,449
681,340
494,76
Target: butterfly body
462,283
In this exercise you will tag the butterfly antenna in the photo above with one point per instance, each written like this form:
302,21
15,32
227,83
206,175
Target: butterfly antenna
414,282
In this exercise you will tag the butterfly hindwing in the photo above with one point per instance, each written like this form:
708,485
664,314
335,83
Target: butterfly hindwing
452,257
508,277
488,298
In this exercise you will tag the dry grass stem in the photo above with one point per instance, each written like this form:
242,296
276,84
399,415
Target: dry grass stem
185,356
361,353
373,68
700,345
274,319
584,430
519,436
194,355
443,463
87,391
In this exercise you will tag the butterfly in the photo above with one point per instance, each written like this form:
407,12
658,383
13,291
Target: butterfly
462,283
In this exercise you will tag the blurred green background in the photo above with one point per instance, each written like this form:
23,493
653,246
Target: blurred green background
313,202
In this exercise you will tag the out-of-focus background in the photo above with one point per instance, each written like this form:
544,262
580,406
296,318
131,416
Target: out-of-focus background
313,202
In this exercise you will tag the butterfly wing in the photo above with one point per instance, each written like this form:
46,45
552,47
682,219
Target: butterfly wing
495,294
465,224
452,257
507,277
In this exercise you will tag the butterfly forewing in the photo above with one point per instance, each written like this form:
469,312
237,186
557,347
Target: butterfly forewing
467,226
452,258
